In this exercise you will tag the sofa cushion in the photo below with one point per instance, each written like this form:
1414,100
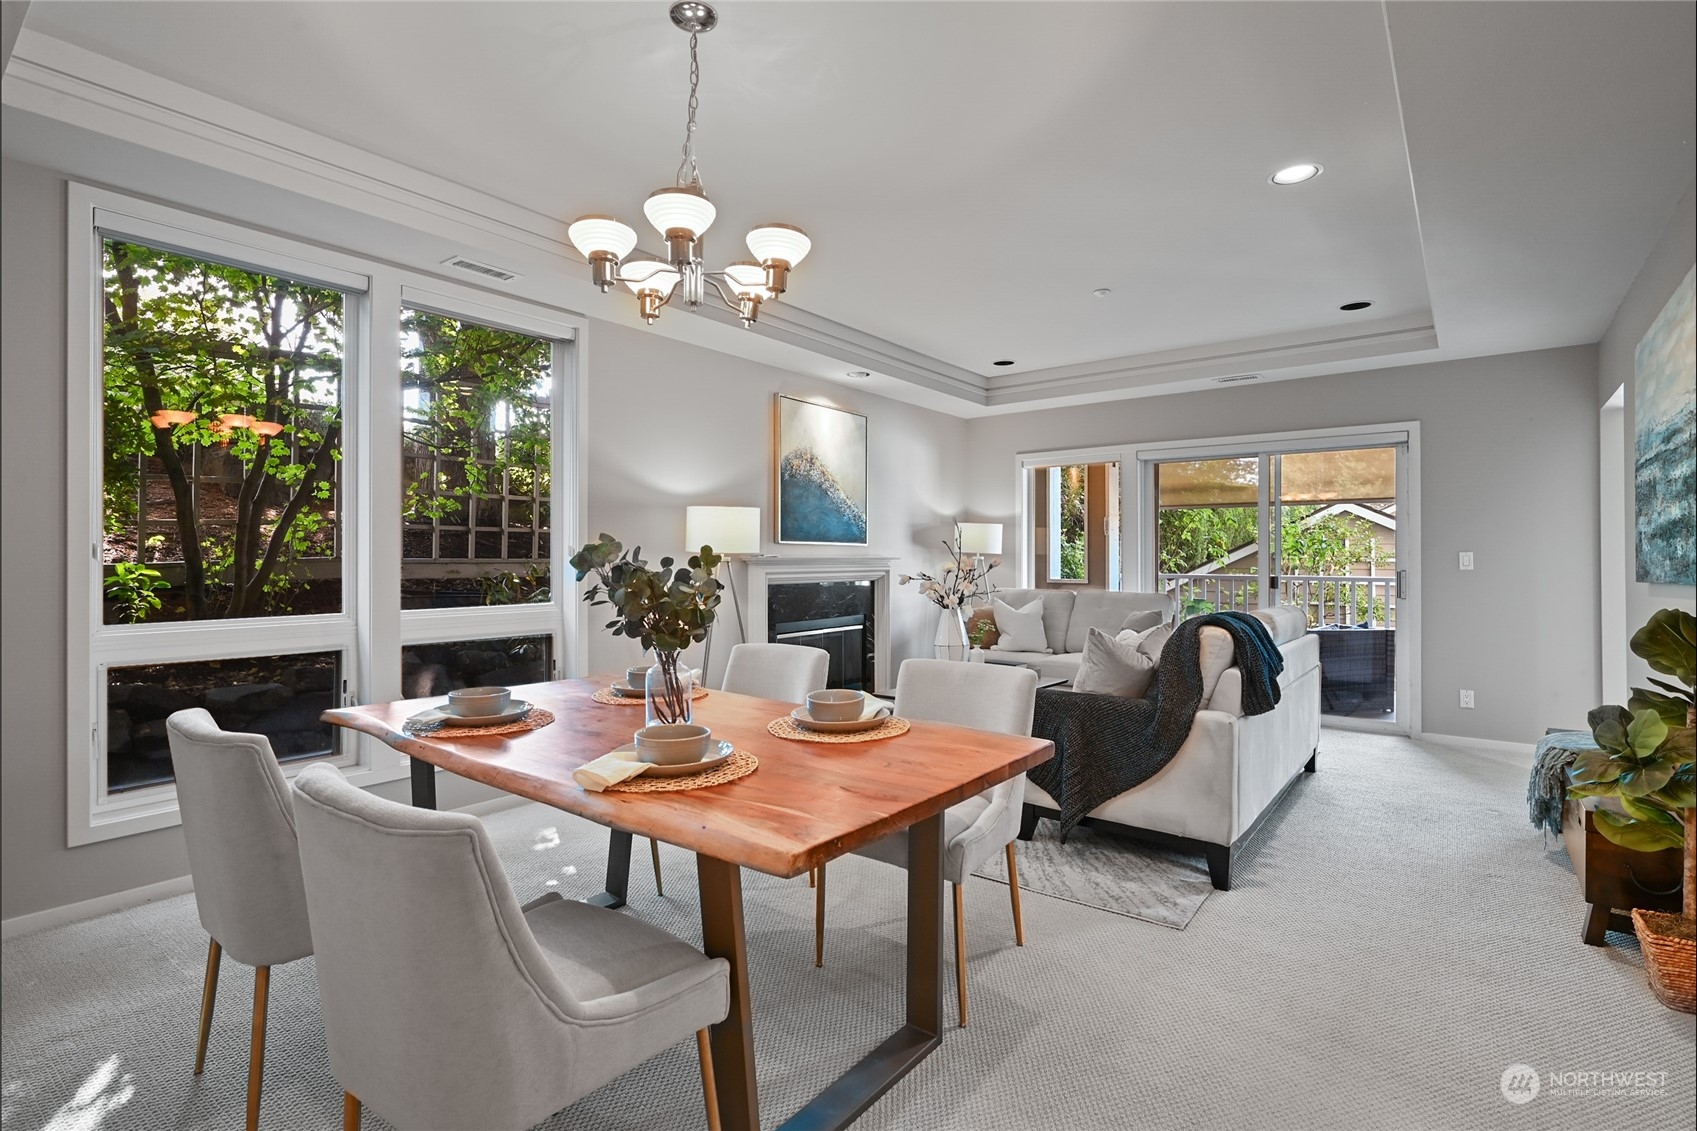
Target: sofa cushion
1019,629
1215,653
1153,642
1057,611
1141,621
1106,610
1301,655
1109,666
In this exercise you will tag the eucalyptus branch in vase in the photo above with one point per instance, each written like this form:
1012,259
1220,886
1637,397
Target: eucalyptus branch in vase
665,609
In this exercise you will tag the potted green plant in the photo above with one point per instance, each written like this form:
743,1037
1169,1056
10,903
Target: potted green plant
1645,761
665,609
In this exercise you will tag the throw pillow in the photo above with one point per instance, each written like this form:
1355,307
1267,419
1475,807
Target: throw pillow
1109,667
1019,630
1154,641
1141,621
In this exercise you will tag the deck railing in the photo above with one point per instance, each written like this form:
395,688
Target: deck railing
1366,601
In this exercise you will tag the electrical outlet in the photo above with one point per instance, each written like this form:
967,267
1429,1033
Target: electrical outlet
1467,559
1466,697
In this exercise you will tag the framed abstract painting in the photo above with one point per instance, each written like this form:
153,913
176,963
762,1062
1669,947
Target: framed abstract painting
1665,463
821,469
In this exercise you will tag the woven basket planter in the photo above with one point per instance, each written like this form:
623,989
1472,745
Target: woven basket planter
1670,957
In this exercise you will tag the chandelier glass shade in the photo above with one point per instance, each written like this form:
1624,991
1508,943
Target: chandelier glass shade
681,214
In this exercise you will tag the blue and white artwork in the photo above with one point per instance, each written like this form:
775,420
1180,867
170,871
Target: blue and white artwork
1665,471
821,474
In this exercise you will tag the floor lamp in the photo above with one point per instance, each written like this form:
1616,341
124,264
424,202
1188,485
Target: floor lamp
730,531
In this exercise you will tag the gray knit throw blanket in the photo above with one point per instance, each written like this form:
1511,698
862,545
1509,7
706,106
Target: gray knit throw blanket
1546,790
1105,744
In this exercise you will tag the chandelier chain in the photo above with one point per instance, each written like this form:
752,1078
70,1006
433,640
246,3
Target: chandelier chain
689,172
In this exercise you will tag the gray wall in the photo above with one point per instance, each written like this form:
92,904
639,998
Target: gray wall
670,424
1509,452
1662,272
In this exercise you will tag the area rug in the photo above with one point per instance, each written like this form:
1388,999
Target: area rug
1140,881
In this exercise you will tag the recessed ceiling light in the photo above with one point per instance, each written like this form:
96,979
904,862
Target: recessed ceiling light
1362,305
860,374
1005,361
1102,292
1296,174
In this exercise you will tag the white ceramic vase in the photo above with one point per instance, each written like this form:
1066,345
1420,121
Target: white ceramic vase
951,636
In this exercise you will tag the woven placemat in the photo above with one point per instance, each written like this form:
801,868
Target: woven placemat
534,719
786,727
742,764
613,699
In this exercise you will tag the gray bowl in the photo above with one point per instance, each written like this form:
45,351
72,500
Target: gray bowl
672,744
838,705
479,702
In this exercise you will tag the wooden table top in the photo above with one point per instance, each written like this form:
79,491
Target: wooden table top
808,803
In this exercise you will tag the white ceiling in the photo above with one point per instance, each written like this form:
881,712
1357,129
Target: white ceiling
970,172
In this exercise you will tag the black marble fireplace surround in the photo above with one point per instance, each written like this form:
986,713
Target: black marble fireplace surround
834,615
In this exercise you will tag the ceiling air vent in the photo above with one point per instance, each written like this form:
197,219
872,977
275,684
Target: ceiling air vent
1236,378
471,266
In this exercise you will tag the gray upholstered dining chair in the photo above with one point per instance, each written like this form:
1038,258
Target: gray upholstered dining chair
239,828
993,697
446,1004
786,672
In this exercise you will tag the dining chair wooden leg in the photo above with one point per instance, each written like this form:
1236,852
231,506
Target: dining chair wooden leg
819,917
208,995
1013,894
704,1049
960,949
350,1112
812,874
654,852
256,1050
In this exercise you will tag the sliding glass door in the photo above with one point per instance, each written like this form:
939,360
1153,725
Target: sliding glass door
1312,527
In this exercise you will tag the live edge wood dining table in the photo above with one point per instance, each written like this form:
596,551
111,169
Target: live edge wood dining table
806,804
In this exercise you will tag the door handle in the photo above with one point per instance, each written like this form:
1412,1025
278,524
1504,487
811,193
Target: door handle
1401,580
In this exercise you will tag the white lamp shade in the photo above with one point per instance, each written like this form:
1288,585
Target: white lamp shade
729,530
980,537
779,241
670,208
663,278
593,234
748,279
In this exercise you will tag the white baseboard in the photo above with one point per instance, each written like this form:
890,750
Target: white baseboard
165,889
1515,753
90,908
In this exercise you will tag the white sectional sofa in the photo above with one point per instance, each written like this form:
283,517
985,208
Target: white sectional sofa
1232,769
1068,617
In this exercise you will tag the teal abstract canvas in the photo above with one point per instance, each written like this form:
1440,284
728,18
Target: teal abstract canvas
1665,467
821,474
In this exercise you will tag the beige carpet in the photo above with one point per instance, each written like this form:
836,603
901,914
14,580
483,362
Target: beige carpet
1399,937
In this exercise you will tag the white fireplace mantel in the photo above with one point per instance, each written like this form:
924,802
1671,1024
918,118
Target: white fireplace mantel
765,571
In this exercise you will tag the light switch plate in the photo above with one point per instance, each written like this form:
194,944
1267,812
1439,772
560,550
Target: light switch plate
1467,559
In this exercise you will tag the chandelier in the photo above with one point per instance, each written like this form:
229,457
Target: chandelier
682,214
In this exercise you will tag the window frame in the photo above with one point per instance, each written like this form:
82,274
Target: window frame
371,629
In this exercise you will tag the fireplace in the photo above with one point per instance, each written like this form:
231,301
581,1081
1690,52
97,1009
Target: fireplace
836,616
840,604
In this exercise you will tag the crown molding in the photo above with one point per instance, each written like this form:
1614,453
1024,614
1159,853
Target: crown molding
71,85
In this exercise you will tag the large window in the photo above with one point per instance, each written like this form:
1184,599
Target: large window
274,511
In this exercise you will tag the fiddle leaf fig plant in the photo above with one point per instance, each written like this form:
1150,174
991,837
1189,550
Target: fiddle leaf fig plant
664,609
1646,755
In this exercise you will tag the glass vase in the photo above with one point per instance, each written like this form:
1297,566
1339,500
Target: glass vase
669,691
951,636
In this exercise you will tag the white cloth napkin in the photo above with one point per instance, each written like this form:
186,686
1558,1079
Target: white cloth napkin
609,769
873,707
